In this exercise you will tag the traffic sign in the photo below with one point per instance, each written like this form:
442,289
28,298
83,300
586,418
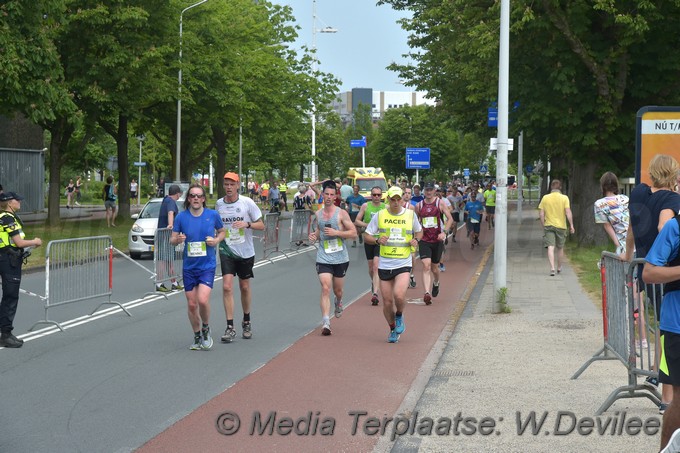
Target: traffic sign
418,158
483,168
358,143
493,144
139,164
466,172
529,168
492,117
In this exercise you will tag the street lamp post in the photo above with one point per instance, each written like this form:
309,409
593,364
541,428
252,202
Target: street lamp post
178,152
326,29
139,173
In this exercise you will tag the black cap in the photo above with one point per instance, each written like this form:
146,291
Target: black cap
6,196
428,185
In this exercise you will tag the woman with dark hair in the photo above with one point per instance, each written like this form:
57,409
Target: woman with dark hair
201,230
612,211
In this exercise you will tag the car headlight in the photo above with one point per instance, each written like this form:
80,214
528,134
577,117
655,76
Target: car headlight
137,229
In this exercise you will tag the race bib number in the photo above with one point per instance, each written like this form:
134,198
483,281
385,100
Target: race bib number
196,249
236,236
332,245
430,222
396,235
472,220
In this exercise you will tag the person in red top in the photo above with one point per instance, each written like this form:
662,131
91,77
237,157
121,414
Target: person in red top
430,212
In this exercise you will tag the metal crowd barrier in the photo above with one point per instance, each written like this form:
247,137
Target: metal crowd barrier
626,310
271,235
300,227
167,258
77,270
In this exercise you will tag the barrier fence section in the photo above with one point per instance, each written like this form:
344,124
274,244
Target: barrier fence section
271,235
78,270
629,328
300,227
167,258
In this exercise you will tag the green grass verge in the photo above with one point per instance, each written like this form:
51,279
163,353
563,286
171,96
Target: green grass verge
76,229
584,261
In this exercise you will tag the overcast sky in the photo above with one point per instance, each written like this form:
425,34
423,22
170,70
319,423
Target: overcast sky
368,39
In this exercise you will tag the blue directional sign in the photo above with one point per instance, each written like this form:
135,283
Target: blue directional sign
483,168
466,172
139,164
418,158
530,168
358,143
492,118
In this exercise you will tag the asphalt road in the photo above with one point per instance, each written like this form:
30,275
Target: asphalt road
111,382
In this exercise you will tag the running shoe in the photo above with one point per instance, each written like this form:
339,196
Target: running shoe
662,410
196,345
393,337
412,283
427,299
453,239
229,335
435,289
400,325
651,382
206,339
374,299
162,289
442,268
477,240
326,329
338,308
177,287
247,332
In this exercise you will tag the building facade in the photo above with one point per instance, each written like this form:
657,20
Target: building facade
380,101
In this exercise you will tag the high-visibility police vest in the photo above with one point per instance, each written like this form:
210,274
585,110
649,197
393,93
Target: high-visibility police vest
283,188
4,231
399,232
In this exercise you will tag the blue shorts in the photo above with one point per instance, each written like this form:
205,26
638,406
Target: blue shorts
194,278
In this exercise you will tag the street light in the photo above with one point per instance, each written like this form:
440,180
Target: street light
141,139
178,152
326,29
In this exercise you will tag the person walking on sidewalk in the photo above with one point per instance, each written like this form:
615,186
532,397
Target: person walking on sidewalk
12,243
650,209
70,194
201,229
364,217
397,231
430,212
332,257
554,213
110,196
240,216
166,219
79,184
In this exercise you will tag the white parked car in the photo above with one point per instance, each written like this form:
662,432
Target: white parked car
140,238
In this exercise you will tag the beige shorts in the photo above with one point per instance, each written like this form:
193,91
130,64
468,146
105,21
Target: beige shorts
554,237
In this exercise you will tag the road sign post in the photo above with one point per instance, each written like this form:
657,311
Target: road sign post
417,158
360,144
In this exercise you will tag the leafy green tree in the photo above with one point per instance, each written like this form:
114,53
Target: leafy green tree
580,71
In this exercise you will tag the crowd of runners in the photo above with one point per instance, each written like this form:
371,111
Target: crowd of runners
411,220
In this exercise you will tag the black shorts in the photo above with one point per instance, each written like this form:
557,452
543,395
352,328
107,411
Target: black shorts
456,217
372,251
491,210
669,365
353,217
236,266
390,274
338,270
431,250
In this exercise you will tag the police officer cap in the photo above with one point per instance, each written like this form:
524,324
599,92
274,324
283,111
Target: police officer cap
6,196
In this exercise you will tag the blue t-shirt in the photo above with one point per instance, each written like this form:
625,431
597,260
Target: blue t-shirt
167,205
664,250
415,199
198,256
473,208
357,200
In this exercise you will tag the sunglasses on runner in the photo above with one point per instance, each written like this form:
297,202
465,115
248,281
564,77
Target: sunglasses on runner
195,195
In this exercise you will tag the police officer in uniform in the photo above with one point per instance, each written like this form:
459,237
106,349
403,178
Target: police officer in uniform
12,244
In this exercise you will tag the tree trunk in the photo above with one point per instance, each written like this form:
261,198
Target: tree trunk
584,189
60,132
123,165
220,142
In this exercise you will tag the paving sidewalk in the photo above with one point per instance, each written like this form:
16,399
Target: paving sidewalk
499,366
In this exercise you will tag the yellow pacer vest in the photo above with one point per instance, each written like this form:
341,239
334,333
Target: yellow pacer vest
4,231
399,232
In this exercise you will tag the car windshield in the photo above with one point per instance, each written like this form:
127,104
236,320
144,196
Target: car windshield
152,209
368,184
